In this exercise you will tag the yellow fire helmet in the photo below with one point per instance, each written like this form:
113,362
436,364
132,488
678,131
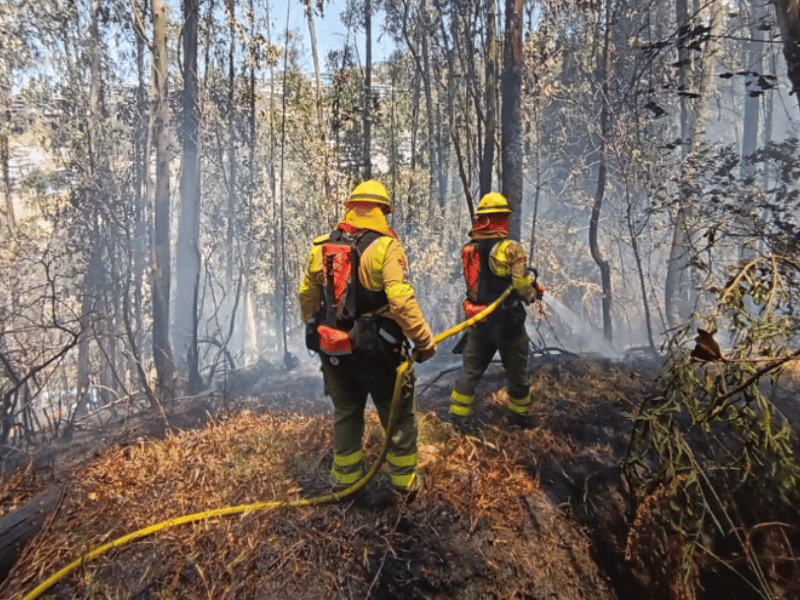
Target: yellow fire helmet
493,202
371,191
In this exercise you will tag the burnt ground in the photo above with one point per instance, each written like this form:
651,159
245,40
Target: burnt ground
505,513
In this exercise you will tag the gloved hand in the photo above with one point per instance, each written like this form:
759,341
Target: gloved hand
520,283
535,293
424,354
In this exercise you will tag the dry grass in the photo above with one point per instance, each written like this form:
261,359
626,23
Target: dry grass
482,511
17,487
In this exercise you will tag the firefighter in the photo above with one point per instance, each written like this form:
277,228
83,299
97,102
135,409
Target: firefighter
491,263
360,311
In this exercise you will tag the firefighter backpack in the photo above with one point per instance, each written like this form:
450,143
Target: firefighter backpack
483,286
341,325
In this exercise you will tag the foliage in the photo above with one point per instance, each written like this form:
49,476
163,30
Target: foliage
710,458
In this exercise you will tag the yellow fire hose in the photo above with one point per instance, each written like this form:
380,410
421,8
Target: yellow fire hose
232,510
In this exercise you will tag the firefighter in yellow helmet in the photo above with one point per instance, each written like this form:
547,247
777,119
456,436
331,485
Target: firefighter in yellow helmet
491,263
360,311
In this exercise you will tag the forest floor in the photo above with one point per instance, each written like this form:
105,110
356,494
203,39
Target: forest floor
505,513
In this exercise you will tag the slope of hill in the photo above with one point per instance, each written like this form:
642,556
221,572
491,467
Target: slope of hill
505,512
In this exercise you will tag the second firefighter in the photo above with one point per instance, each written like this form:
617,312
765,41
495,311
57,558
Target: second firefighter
492,263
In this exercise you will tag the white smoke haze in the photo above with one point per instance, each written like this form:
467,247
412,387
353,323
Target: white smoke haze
574,334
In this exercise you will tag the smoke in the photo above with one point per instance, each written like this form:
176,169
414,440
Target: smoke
574,334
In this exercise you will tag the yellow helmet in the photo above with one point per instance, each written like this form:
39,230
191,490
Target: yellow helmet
493,202
371,191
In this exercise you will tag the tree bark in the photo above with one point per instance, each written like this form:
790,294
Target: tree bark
368,90
133,296
512,115
753,54
433,154
490,123
312,34
91,284
594,223
162,351
232,186
22,525
188,248
693,76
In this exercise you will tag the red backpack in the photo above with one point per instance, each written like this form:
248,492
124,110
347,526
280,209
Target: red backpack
344,298
483,286
471,261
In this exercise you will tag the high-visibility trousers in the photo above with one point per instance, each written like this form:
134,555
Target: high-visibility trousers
349,384
483,341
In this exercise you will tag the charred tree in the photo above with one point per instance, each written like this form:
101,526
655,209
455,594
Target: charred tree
490,100
187,250
512,115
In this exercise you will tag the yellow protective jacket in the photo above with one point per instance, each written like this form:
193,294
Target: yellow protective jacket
507,259
383,266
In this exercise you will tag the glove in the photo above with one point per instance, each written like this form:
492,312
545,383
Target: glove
535,293
424,354
522,282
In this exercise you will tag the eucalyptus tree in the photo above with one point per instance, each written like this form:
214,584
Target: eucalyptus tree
161,267
753,65
603,75
511,115
140,119
346,97
16,51
97,173
87,167
321,117
563,91
187,248
88,142
490,101
359,14
367,106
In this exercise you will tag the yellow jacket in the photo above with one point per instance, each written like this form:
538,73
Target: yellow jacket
383,266
507,259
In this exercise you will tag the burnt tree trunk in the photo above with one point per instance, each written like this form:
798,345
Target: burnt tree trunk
511,112
22,525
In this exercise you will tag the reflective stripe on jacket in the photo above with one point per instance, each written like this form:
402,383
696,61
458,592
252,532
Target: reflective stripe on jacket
383,266
507,259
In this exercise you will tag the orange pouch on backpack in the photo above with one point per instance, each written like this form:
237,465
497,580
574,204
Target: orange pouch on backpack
471,309
334,342
337,265
471,261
